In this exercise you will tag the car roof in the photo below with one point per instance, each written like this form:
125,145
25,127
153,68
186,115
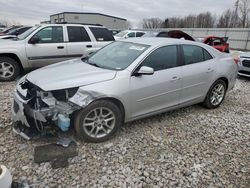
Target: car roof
158,41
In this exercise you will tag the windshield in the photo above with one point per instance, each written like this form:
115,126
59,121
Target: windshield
121,34
117,55
27,33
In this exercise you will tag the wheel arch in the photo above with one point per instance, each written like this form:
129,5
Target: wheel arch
13,56
225,80
118,103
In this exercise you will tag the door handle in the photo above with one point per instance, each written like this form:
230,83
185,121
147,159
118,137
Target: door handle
209,70
89,46
60,47
175,78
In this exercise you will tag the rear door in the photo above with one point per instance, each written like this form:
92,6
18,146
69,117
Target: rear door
152,93
51,47
197,73
79,42
102,36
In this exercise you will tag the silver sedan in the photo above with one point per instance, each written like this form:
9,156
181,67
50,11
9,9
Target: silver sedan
122,82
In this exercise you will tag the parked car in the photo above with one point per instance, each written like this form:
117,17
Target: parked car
219,43
124,81
6,30
128,34
115,31
244,64
169,34
15,32
47,44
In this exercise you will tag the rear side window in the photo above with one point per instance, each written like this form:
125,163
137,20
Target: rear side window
162,58
195,54
102,34
77,34
162,34
207,56
139,34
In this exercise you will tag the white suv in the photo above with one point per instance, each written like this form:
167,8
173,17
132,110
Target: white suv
46,44
129,34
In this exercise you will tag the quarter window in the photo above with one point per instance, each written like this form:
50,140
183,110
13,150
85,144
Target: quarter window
195,54
50,34
102,34
162,58
77,34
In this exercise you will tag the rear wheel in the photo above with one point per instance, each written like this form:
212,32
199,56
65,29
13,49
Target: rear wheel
98,122
9,69
215,95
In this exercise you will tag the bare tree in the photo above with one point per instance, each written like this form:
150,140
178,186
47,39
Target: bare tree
151,23
226,19
244,11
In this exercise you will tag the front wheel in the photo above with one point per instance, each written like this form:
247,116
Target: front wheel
9,69
215,95
98,122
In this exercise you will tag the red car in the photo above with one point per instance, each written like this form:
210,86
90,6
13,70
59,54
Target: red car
220,43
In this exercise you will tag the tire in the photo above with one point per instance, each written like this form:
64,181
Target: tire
9,69
214,98
94,122
227,50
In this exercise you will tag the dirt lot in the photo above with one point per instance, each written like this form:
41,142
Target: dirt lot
190,147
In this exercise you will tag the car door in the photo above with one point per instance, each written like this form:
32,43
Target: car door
79,43
50,47
102,36
197,73
152,93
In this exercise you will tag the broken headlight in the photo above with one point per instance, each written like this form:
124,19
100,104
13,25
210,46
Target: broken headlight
64,94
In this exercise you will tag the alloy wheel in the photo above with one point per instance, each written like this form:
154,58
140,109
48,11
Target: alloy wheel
6,70
217,94
99,122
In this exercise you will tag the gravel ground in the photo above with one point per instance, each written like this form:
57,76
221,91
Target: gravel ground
190,147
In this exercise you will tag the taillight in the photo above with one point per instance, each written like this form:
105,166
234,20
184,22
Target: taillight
236,60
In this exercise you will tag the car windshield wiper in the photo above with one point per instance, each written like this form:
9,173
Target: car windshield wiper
94,64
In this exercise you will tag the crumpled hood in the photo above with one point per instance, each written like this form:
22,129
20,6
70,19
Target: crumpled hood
68,74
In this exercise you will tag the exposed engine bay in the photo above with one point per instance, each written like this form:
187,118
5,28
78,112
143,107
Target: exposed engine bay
35,111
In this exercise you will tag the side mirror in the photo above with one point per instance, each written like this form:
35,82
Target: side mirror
144,70
35,39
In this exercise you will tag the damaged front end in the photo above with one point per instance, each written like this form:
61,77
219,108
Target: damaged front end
34,110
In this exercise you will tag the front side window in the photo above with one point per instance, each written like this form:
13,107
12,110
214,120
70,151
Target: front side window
195,54
53,34
162,58
102,34
131,34
77,34
117,55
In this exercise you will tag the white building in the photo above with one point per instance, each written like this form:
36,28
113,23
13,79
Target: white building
111,22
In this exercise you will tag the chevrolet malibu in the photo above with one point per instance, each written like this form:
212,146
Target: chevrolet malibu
122,82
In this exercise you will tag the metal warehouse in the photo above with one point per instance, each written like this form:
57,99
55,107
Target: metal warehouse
108,21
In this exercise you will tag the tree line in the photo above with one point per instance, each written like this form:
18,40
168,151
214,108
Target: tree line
237,17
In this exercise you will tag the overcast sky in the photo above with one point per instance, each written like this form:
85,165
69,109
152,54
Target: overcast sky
33,11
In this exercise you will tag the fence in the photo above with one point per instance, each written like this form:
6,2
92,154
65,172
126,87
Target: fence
238,38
